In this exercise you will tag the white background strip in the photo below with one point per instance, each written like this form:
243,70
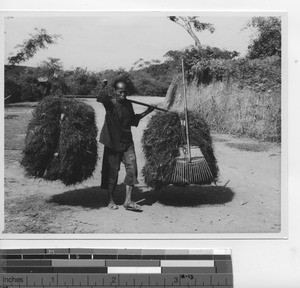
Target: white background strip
134,270
187,263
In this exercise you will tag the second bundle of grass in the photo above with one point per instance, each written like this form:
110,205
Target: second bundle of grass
161,142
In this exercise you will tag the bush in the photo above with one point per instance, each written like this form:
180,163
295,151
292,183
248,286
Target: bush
81,81
259,75
236,96
13,90
22,83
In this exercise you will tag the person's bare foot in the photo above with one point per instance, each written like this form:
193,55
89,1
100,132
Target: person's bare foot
132,206
113,206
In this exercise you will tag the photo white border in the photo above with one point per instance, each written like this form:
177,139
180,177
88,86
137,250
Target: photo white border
256,262
283,234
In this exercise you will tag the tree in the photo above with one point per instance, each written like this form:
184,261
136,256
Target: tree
81,81
267,41
193,56
30,46
192,25
53,70
111,76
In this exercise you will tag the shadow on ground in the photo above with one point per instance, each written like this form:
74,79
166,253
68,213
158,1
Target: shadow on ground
95,197
92,197
189,196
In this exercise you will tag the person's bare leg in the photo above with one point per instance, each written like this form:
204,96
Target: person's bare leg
129,204
129,189
111,191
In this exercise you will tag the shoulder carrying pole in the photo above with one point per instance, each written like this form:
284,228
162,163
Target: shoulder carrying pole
147,105
132,101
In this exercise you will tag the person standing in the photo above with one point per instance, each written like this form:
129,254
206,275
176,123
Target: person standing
116,136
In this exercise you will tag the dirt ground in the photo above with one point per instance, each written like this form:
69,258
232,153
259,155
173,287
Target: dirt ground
246,198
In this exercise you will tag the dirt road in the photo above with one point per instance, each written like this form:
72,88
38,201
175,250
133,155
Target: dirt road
245,200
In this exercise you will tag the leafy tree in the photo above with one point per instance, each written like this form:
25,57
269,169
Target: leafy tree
25,80
192,25
53,70
151,81
28,86
151,78
138,64
267,41
193,57
111,75
30,46
81,81
141,63
50,68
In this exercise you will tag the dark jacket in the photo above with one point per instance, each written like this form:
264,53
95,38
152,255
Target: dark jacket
116,132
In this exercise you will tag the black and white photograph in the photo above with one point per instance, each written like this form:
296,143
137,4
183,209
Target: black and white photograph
143,122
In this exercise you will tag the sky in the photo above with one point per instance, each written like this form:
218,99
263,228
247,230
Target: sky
115,40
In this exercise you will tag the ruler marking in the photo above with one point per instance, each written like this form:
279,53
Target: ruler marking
133,278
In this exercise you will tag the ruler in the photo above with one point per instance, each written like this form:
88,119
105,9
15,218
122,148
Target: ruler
115,268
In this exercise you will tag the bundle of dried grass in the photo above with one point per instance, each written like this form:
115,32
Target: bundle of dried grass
161,142
61,141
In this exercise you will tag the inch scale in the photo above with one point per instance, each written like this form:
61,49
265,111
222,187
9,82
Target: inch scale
117,268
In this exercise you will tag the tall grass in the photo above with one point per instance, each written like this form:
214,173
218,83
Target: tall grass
230,109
